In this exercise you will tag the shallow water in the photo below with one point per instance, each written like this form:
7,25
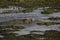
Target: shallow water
33,15
36,15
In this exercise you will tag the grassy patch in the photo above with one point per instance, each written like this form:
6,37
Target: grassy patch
48,11
27,10
54,18
23,37
13,27
48,23
21,21
52,35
